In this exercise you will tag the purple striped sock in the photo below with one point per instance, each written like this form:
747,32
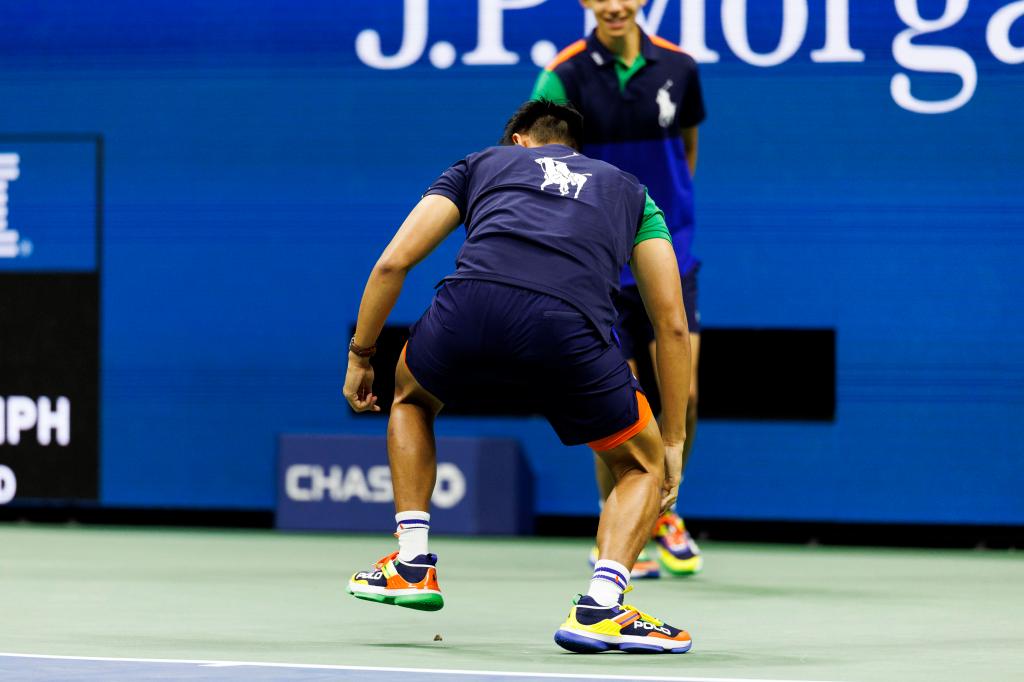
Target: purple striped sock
413,532
608,582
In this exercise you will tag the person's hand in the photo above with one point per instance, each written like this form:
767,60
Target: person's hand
359,385
673,475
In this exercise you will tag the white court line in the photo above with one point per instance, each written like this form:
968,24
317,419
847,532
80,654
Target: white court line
366,668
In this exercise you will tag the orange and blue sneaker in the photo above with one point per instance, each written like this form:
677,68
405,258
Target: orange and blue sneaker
644,568
412,584
592,628
677,552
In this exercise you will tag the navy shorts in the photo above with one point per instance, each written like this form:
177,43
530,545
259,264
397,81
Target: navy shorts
480,336
634,326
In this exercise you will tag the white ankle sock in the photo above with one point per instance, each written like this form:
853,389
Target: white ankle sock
413,530
608,582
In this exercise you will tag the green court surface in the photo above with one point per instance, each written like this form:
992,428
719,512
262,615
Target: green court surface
757,612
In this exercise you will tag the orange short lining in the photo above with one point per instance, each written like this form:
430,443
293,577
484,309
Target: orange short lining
402,360
617,439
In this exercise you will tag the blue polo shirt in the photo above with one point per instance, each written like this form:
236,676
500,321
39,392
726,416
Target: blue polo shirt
632,118
551,220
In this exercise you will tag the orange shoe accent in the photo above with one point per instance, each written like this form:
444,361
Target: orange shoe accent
566,54
683,636
617,439
382,562
429,582
629,620
676,530
397,582
644,567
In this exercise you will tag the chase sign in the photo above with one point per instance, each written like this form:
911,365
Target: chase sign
343,483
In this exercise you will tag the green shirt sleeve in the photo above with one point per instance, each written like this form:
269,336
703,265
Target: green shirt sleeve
652,226
549,86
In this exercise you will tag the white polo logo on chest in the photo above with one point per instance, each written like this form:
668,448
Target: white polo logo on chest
666,107
558,173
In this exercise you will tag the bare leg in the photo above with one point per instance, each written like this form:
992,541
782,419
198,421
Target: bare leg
594,624
605,479
408,577
638,467
411,448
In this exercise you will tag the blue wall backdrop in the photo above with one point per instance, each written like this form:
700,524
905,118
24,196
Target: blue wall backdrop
260,153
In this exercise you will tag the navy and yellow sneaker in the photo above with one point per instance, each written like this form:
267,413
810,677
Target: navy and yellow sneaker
592,628
677,552
412,584
644,568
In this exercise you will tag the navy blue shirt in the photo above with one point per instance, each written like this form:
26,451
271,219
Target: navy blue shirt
546,219
636,125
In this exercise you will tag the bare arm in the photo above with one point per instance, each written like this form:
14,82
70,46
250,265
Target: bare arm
689,136
433,219
657,276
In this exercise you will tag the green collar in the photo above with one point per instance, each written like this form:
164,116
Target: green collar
626,72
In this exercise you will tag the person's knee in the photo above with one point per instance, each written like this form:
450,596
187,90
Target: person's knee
404,388
651,451
408,391
629,468
643,454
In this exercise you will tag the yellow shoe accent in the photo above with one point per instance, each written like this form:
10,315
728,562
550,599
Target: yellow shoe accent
605,627
675,566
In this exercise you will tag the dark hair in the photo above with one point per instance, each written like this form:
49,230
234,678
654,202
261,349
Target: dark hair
546,123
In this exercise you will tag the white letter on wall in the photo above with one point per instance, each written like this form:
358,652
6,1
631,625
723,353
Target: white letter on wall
490,46
794,28
693,31
293,483
998,34
650,21
414,40
21,416
54,420
450,487
8,484
930,58
837,35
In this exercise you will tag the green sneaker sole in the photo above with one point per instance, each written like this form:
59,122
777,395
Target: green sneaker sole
420,602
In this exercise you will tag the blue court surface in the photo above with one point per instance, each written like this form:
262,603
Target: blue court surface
33,668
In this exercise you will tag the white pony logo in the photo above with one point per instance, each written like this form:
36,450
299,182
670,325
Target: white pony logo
666,107
557,173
